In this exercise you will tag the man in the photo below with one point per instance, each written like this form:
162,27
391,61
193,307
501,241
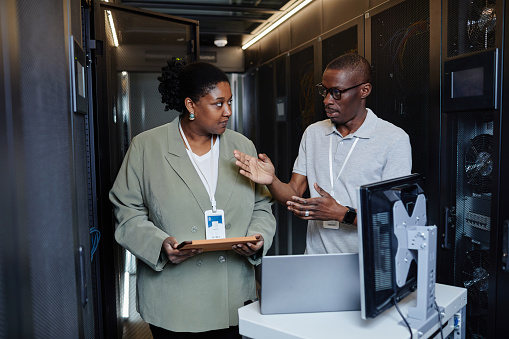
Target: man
352,147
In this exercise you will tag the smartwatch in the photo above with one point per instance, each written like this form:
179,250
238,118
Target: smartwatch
349,216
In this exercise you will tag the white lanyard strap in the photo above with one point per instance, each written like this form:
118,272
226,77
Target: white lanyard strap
212,167
332,181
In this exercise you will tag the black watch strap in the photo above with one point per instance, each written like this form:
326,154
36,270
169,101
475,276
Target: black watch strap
349,216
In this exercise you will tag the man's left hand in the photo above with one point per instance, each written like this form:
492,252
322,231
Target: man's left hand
324,207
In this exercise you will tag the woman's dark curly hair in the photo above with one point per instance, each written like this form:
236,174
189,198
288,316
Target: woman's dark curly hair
179,81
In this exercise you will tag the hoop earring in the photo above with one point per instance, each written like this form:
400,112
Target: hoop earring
191,116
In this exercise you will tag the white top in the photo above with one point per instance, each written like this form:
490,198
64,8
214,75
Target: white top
202,164
209,173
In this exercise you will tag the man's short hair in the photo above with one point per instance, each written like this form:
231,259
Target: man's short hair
354,63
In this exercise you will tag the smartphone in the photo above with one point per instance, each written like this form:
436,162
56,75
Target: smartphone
183,243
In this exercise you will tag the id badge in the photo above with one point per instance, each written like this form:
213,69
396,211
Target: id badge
214,225
331,224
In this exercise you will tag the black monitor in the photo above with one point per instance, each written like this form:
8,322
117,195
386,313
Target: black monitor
388,269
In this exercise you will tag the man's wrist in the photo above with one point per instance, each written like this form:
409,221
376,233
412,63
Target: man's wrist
350,215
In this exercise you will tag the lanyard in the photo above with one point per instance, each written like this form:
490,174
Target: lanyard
212,167
332,181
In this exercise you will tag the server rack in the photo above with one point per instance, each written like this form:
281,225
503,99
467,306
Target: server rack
472,167
403,47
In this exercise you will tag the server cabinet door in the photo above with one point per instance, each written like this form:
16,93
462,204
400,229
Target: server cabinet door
501,297
406,69
39,252
132,46
472,165
466,246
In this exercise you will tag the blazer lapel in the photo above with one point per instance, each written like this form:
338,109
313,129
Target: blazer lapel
178,159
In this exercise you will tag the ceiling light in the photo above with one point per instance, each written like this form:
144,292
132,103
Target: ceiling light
112,27
279,21
220,41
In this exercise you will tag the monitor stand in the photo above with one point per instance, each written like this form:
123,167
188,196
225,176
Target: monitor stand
417,242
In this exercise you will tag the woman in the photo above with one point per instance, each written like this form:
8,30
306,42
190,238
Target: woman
171,177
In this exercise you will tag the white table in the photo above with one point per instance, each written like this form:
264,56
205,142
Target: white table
253,324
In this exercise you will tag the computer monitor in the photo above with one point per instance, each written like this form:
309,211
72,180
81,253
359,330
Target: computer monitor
394,242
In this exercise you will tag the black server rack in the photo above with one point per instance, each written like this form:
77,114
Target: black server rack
470,171
403,46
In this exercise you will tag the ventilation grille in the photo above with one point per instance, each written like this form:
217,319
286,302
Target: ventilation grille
470,26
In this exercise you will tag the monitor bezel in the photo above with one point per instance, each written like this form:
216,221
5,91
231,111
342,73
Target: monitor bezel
370,308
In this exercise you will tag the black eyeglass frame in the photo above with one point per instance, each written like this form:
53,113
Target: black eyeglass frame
334,91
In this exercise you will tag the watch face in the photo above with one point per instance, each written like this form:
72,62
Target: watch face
349,216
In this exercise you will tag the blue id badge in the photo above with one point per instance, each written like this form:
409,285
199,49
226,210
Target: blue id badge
214,225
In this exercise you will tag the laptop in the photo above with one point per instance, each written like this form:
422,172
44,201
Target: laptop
310,283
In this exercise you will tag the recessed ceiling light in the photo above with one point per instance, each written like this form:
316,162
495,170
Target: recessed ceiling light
220,41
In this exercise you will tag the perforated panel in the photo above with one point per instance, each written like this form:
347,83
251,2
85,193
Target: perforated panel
400,49
470,26
45,110
302,95
471,146
339,44
268,141
3,311
83,219
140,98
4,195
301,115
471,164
249,106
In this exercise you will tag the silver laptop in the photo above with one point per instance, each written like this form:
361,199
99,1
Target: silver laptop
310,283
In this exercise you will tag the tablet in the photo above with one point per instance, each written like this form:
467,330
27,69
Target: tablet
216,244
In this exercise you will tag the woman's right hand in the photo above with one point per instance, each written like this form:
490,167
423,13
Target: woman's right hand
176,256
259,170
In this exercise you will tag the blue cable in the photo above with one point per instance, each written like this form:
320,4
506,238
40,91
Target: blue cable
95,237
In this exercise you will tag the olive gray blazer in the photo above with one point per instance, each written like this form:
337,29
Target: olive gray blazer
158,194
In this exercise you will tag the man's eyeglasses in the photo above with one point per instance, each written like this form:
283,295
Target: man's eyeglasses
334,91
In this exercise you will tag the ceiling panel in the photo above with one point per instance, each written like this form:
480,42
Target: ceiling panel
234,18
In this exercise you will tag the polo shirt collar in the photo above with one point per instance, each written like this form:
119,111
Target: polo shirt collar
364,132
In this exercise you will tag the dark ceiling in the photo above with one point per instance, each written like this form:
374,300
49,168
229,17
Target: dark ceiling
234,18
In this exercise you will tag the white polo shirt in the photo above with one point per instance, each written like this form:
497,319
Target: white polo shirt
382,152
